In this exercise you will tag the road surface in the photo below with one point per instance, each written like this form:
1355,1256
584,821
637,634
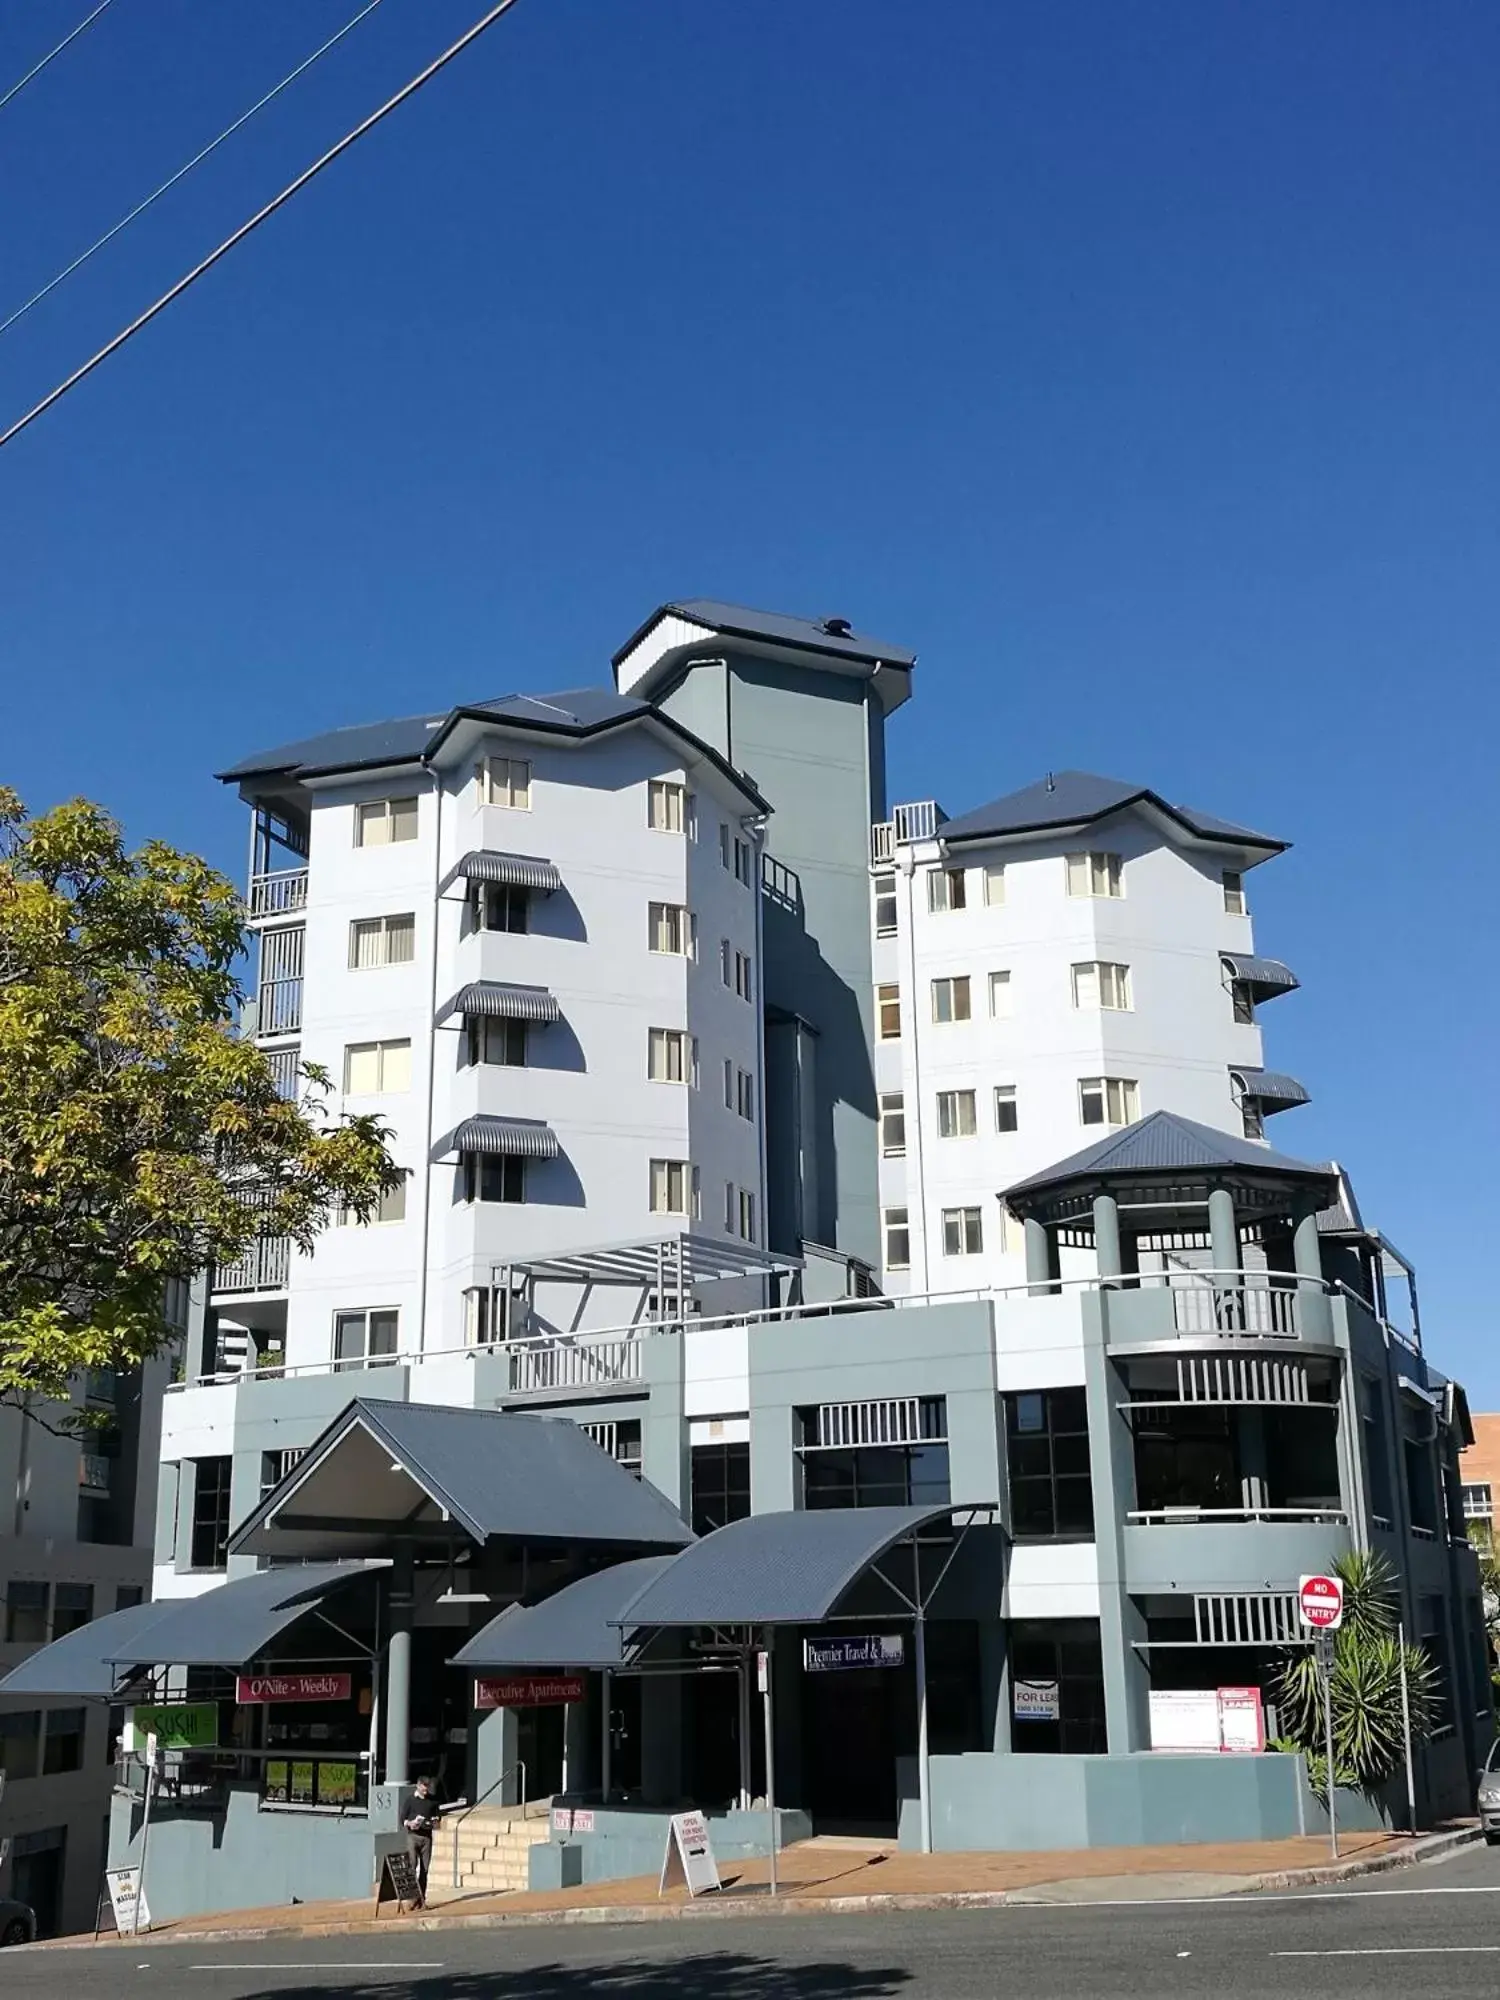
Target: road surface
1433,1930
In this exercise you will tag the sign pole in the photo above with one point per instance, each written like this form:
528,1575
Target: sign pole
1411,1782
1326,1647
605,1746
765,1690
140,1873
924,1789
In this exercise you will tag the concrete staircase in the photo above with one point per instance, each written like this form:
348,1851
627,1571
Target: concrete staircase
493,1845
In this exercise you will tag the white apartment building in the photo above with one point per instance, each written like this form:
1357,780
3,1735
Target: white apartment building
1059,963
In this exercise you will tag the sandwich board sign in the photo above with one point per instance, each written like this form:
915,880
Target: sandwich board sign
689,1858
127,1898
1320,1600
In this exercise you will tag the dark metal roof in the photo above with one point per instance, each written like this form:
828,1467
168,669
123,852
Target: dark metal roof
1075,798
1342,1217
775,1569
233,1622
1265,977
490,1472
807,635
362,745
1165,1143
518,871
503,1002
576,1627
1271,1088
82,1663
512,1138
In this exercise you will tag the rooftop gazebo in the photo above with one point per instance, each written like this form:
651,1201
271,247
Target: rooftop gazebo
1173,1188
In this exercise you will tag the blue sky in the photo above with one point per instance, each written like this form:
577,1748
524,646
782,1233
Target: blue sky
1137,364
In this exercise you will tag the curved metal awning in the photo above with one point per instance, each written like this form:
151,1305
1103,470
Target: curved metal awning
519,1138
1269,1088
517,871
496,1000
776,1569
1264,978
82,1663
577,1627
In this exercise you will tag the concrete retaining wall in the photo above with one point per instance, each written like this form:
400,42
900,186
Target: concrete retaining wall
626,1843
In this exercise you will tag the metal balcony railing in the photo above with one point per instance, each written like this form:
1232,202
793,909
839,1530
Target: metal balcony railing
278,1007
882,843
264,1267
285,1066
572,1364
278,894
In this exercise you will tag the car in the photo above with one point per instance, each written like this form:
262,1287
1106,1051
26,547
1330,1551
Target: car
1489,1796
17,1922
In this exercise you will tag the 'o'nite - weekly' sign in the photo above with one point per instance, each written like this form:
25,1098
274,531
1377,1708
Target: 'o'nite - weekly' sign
863,1649
292,1687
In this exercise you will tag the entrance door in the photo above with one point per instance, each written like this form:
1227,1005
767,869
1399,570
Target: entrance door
539,1733
854,1726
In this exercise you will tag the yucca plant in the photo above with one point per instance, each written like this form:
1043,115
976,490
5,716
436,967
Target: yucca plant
1365,1684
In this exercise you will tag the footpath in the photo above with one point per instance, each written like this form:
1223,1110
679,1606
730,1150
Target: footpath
835,1876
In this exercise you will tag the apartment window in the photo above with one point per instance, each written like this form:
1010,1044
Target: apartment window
744,863
673,1186
382,822
375,941
673,930
1000,1007
728,1084
672,1056
743,985
963,1232
1101,984
888,1013
1234,893
1007,1118
885,906
956,1116
391,1207
1377,1460
506,781
20,1732
129,1595
950,999
1478,1502
1252,1118
373,1069
994,883
496,1177
62,1741
897,1239
739,1212
208,1548
744,1094
1095,875
1047,1452
667,806
498,1042
1421,1483
502,906
1108,1100
1433,1639
26,1613
1065,1653
880,1454
365,1339
720,1485
892,1123
72,1606
946,889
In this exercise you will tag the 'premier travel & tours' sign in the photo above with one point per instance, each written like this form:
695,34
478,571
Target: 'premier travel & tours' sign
863,1649
292,1687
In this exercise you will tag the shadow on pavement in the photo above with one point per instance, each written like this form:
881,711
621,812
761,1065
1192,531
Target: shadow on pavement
711,1975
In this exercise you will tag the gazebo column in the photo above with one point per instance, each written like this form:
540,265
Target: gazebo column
1224,1248
1314,1315
1107,1237
1043,1262
398,1670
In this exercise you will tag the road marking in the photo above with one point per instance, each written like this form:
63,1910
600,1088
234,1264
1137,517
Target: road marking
1399,1951
323,1965
1248,1898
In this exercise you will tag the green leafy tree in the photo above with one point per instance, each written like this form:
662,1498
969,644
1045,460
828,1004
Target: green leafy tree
140,1137
1369,1744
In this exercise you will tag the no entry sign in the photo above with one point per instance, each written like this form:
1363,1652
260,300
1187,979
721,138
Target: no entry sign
1321,1600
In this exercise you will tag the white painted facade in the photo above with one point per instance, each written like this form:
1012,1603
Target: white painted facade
1017,940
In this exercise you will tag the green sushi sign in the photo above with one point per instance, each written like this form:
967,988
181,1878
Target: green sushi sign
188,1725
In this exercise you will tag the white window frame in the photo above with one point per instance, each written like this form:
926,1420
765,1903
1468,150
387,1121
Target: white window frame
744,863
958,987
947,890
888,1008
963,1232
367,1357
892,1108
1114,1092
1235,902
505,782
671,919
744,977
957,1114
744,1091
669,806
404,923
390,1208
386,1056
1001,1004
1006,1098
397,824
892,1230
669,1049
1102,983
1095,873
745,1219
994,884
671,1181
885,889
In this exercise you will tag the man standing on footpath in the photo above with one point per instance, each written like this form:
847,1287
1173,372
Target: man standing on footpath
420,1823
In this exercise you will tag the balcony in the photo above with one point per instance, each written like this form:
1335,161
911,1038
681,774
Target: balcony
1211,1305
279,894
278,1007
285,1066
582,1364
264,1267
917,821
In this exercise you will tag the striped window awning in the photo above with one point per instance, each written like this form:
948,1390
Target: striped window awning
1269,1088
518,871
1265,977
502,1002
517,1138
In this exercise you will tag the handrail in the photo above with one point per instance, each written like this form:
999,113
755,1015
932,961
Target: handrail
1185,1515
457,1819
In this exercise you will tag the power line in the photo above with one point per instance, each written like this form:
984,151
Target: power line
37,68
245,229
197,160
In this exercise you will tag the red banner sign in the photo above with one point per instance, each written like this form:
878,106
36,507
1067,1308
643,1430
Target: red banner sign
293,1687
529,1691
